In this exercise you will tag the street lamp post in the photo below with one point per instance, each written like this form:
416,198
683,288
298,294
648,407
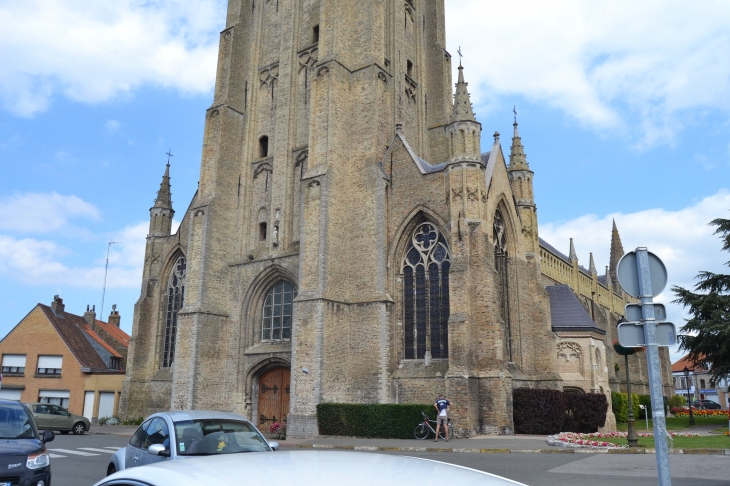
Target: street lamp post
631,435
689,400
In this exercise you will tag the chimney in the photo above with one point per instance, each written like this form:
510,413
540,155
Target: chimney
90,315
57,306
114,316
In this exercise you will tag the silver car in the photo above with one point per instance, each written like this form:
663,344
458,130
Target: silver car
305,468
168,436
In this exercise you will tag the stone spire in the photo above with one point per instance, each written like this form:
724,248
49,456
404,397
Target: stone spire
617,251
161,213
462,102
164,196
517,157
573,254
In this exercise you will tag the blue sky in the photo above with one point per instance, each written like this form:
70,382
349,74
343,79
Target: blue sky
623,110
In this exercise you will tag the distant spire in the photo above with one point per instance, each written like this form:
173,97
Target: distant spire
462,103
517,157
617,251
573,254
592,266
164,196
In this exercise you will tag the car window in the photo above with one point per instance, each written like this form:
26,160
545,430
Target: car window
157,433
15,422
41,409
217,436
140,436
58,410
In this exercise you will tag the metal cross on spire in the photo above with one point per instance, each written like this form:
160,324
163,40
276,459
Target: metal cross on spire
514,110
460,55
169,154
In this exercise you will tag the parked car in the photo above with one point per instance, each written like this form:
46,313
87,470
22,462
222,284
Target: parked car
706,405
173,435
24,460
304,468
53,417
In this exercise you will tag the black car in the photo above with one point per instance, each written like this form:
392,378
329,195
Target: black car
706,405
23,456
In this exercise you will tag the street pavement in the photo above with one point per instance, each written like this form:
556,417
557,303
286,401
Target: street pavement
82,460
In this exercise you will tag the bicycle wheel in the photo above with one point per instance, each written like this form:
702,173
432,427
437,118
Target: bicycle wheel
421,432
442,433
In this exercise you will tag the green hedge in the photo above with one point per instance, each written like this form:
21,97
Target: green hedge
389,421
620,405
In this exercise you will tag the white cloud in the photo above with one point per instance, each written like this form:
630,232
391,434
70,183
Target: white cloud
112,126
94,51
622,66
43,212
682,239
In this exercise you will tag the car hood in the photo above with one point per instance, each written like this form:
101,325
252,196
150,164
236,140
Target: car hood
19,447
308,468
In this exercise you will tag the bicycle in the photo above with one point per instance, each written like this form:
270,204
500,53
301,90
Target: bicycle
424,429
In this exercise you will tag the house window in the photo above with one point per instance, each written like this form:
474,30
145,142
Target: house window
263,146
175,301
13,363
315,34
426,294
114,363
49,365
702,383
277,318
56,397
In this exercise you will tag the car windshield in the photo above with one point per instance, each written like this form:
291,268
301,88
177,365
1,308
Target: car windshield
15,422
217,436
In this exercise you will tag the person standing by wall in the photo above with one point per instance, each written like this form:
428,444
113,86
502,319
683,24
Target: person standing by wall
442,406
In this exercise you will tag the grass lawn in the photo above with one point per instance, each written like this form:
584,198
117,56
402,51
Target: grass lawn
720,430
712,442
675,423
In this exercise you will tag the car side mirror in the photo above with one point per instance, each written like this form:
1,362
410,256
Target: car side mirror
48,436
158,450
274,445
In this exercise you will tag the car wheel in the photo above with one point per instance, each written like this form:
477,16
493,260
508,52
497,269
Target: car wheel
111,469
79,428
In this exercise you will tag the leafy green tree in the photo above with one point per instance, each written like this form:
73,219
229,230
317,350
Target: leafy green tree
707,334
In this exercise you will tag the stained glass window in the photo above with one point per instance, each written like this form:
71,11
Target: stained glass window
276,321
426,294
175,301
501,263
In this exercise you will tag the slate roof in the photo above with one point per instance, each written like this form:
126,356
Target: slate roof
566,311
72,328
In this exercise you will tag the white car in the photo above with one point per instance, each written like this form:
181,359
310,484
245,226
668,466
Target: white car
304,468
173,435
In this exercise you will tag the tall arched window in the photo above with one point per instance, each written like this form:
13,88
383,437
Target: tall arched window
426,294
175,300
501,263
277,317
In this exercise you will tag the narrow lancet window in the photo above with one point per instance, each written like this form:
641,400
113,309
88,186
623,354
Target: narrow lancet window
277,317
175,301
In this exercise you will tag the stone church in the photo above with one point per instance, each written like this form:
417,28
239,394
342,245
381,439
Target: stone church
352,241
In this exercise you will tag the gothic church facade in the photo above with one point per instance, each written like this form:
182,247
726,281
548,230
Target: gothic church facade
351,242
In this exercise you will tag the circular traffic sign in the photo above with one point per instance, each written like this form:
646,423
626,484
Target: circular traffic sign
628,274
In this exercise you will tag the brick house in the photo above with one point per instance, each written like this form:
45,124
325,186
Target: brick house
74,361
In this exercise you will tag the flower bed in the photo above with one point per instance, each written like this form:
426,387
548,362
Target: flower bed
571,439
684,412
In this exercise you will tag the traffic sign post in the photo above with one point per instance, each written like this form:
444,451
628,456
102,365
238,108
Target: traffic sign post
643,275
632,335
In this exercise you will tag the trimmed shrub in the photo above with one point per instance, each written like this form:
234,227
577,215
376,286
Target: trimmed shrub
620,404
585,412
635,405
538,411
389,421
676,401
646,401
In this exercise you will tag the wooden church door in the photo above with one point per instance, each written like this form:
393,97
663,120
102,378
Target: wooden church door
273,397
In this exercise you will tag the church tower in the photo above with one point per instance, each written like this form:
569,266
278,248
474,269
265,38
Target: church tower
520,177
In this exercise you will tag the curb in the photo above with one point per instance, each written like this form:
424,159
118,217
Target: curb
715,452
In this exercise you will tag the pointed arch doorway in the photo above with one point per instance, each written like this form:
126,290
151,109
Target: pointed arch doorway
274,392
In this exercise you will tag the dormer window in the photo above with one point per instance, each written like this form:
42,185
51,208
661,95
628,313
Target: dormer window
114,363
263,147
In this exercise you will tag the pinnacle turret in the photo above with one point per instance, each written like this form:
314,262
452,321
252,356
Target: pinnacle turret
573,254
592,266
517,157
164,196
617,251
462,102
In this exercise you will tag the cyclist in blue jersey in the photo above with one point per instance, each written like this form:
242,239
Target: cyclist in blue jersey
442,406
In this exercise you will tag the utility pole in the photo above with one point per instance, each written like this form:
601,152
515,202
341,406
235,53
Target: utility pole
106,271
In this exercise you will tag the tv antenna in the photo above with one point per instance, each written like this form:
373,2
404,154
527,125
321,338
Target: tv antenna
106,271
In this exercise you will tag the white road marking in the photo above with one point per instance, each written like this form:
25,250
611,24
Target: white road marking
112,447
52,456
69,451
96,450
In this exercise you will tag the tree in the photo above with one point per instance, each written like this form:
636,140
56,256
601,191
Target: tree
707,334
